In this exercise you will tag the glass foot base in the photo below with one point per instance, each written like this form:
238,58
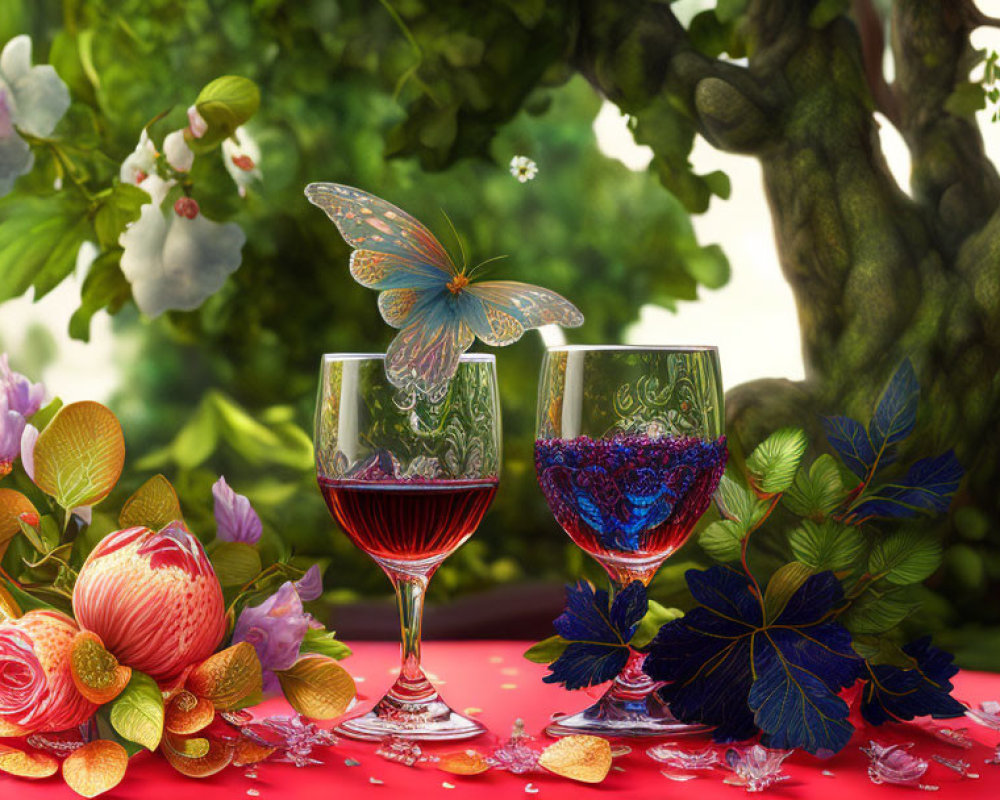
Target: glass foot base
614,718
427,720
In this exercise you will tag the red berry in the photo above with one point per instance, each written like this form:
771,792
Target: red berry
186,207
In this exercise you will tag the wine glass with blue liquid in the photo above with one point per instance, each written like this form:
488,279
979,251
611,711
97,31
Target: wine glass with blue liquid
629,450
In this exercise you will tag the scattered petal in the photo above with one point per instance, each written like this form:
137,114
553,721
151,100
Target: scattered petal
27,765
463,762
95,768
580,758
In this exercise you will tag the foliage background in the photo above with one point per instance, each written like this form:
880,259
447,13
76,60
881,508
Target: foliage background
230,387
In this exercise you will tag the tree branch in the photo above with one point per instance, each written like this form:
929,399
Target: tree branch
872,31
634,51
952,177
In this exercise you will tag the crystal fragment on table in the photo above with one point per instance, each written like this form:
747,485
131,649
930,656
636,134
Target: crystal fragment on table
402,751
58,744
895,764
756,767
674,756
996,756
294,737
987,714
963,768
516,754
956,737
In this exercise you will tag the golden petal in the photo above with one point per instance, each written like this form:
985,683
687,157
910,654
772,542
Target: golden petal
216,758
317,687
8,730
80,454
463,762
12,505
154,505
580,758
96,673
228,678
248,752
95,768
27,765
187,713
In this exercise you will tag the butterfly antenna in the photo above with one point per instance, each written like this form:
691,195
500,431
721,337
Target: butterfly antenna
483,264
458,238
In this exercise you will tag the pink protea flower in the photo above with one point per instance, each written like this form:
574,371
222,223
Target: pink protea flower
153,598
37,693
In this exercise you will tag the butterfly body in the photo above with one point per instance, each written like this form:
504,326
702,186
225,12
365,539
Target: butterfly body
438,310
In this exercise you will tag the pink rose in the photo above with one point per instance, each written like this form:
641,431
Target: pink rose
37,692
153,598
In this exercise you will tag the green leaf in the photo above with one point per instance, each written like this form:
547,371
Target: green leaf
718,184
816,492
708,265
324,643
44,415
723,540
104,287
774,462
882,650
547,650
235,563
737,502
137,713
656,617
105,730
827,545
120,207
39,238
905,557
784,583
874,613
966,100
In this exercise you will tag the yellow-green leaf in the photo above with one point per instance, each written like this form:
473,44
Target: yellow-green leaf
80,454
783,584
235,563
154,505
228,678
317,687
137,714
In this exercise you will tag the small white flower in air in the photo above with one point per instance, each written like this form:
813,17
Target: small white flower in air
33,99
523,168
178,154
140,163
241,159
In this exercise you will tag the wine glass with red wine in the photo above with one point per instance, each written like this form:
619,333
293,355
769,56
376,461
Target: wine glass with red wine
629,451
408,478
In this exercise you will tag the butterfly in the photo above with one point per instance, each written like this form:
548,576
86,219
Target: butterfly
439,312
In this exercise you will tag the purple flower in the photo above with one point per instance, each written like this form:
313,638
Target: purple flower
23,396
310,585
235,517
276,629
11,428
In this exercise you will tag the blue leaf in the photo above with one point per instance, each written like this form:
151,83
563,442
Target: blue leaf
598,632
896,412
849,438
892,693
725,667
926,488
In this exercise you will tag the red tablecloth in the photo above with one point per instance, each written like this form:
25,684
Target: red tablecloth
493,677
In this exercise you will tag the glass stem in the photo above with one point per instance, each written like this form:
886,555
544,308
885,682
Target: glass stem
412,685
410,591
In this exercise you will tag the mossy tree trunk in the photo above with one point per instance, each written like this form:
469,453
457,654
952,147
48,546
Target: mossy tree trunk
877,274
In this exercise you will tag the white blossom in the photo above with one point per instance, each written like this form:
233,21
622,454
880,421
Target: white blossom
523,168
241,159
32,99
178,154
196,123
175,263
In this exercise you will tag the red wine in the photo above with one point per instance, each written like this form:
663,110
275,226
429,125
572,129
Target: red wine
408,521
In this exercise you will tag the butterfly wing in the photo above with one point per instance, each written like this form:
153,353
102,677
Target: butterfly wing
499,312
425,354
392,249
